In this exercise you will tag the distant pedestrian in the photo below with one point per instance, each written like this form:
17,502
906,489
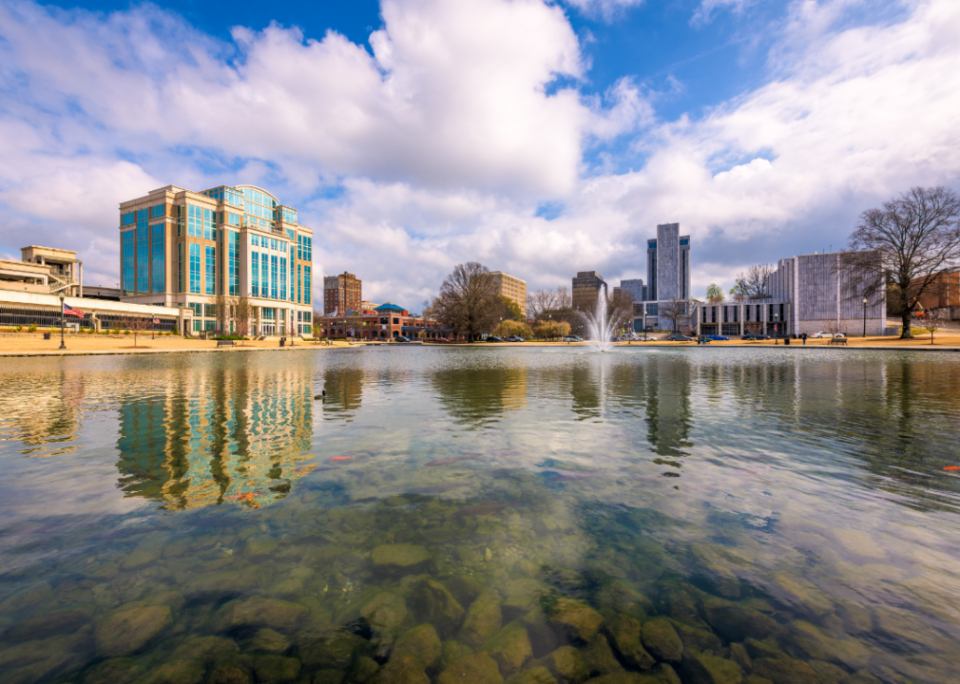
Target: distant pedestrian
804,338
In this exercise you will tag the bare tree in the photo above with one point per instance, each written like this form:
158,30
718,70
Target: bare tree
243,313
465,302
677,312
136,325
911,243
226,307
932,321
620,309
753,284
753,327
539,302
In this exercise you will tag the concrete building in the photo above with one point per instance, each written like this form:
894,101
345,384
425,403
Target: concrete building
19,308
668,265
807,294
634,288
43,270
180,248
512,288
386,322
342,294
586,287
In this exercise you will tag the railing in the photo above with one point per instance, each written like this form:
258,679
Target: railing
60,282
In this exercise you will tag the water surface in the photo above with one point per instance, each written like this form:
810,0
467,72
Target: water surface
200,518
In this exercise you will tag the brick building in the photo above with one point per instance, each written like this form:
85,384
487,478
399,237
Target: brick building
342,294
386,322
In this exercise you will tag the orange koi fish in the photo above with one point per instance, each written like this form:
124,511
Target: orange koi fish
341,458
952,468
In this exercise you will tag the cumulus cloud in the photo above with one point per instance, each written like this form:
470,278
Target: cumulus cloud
438,144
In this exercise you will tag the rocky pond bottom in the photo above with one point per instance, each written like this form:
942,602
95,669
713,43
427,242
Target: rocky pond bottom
454,518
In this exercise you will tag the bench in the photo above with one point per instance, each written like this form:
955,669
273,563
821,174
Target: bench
837,341
226,343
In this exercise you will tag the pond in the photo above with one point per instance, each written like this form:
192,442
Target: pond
481,515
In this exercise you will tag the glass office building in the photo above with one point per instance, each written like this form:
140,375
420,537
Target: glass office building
197,249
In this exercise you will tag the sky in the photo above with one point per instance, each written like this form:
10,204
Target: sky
537,137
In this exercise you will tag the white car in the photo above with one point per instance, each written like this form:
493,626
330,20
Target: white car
824,335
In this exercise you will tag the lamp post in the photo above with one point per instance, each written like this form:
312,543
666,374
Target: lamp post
776,329
864,316
62,345
500,329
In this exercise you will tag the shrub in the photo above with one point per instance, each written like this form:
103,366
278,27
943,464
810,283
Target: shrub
32,328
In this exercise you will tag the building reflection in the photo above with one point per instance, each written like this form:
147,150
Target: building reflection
668,413
344,388
45,414
236,433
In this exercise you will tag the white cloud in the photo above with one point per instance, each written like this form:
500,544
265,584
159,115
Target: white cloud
705,11
445,140
608,9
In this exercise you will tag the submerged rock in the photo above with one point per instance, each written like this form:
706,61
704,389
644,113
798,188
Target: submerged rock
208,648
431,602
739,655
575,619
661,640
229,673
260,612
268,641
452,651
464,588
406,558
785,671
333,651
273,669
567,664
763,649
176,672
520,596
127,630
806,641
828,672
535,675
115,671
599,657
402,669
621,598
624,678
482,619
736,622
510,647
624,632
696,639
422,643
700,668
473,669
50,624
385,612
666,674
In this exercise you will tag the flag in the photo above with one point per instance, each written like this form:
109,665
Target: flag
156,321
70,311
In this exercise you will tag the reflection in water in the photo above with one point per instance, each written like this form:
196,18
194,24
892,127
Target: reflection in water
218,433
813,538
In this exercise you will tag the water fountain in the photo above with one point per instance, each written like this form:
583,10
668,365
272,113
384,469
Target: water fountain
599,328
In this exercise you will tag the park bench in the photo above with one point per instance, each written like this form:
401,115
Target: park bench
837,341
226,343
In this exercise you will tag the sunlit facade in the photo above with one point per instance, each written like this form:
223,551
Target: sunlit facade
185,248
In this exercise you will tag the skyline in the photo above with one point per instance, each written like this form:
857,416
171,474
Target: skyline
539,139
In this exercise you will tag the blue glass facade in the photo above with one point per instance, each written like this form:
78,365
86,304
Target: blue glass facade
233,262
143,252
128,253
156,212
264,276
158,248
306,285
273,276
283,277
254,274
210,274
194,268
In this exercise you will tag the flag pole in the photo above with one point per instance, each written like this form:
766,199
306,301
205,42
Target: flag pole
62,345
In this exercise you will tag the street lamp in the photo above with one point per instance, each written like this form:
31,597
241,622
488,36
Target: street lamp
864,316
776,329
500,329
62,345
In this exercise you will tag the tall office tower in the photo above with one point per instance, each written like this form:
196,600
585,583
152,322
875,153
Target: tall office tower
668,264
585,288
184,248
634,288
342,293
512,288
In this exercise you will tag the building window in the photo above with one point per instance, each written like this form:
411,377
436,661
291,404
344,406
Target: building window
209,222
211,270
159,256
128,244
233,262
156,212
273,276
128,219
283,278
299,284
194,268
181,271
306,285
194,221
143,252
264,275
255,274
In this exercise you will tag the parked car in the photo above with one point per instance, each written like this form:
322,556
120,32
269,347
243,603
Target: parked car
755,336
824,335
718,338
677,337
493,338
514,338
572,338
442,339
401,338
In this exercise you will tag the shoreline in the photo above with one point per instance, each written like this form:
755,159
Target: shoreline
81,346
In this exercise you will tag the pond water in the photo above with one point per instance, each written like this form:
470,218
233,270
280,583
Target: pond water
481,515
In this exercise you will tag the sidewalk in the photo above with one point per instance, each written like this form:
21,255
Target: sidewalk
12,345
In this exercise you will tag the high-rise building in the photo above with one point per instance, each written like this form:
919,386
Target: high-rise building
512,288
585,288
342,294
668,265
634,288
180,248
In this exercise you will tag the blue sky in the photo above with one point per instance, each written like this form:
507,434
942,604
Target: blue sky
540,138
